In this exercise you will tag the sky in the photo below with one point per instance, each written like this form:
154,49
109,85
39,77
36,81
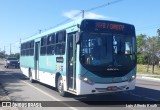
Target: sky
20,19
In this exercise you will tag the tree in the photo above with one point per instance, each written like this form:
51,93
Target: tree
158,32
142,58
141,42
142,54
153,50
148,49
17,55
2,55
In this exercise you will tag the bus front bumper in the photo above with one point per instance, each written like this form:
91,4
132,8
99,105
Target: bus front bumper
96,88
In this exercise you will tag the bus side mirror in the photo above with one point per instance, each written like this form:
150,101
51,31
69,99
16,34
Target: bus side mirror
78,36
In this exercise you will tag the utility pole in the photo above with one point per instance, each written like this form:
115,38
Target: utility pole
10,49
20,44
40,31
4,52
82,13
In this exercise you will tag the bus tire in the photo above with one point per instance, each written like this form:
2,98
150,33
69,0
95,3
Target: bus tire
30,76
60,87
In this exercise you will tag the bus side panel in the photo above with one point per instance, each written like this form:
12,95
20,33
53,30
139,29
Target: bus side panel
24,71
47,70
48,67
26,63
47,78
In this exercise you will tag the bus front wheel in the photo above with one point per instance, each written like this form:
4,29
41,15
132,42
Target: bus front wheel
60,86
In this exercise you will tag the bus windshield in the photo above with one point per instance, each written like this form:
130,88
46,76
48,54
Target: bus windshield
109,50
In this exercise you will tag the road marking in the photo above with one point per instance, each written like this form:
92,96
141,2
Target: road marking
1,69
141,96
66,103
69,106
135,95
151,99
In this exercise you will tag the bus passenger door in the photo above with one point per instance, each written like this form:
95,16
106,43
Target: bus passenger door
36,60
71,62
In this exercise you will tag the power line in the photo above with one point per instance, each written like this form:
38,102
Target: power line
68,19
88,10
103,5
82,12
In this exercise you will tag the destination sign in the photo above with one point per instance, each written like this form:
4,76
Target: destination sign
110,26
102,26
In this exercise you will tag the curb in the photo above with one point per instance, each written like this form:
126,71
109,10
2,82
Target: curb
149,78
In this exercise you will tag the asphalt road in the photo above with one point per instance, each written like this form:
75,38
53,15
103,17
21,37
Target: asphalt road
19,88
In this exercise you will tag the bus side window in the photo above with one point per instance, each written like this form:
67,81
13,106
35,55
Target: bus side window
43,45
51,44
28,47
60,42
31,53
24,49
21,49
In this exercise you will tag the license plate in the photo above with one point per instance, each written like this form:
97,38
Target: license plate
112,88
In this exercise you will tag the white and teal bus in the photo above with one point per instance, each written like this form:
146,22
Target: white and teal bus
85,56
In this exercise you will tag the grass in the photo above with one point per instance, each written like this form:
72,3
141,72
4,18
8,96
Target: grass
142,69
156,76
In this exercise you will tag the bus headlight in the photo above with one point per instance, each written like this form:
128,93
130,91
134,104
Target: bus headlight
86,80
132,78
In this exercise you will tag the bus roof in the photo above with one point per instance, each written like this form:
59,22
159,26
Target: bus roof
62,27
55,29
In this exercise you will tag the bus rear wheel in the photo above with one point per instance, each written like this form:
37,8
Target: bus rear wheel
60,86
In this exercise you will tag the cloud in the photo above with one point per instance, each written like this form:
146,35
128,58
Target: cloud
17,44
71,14
74,14
94,16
